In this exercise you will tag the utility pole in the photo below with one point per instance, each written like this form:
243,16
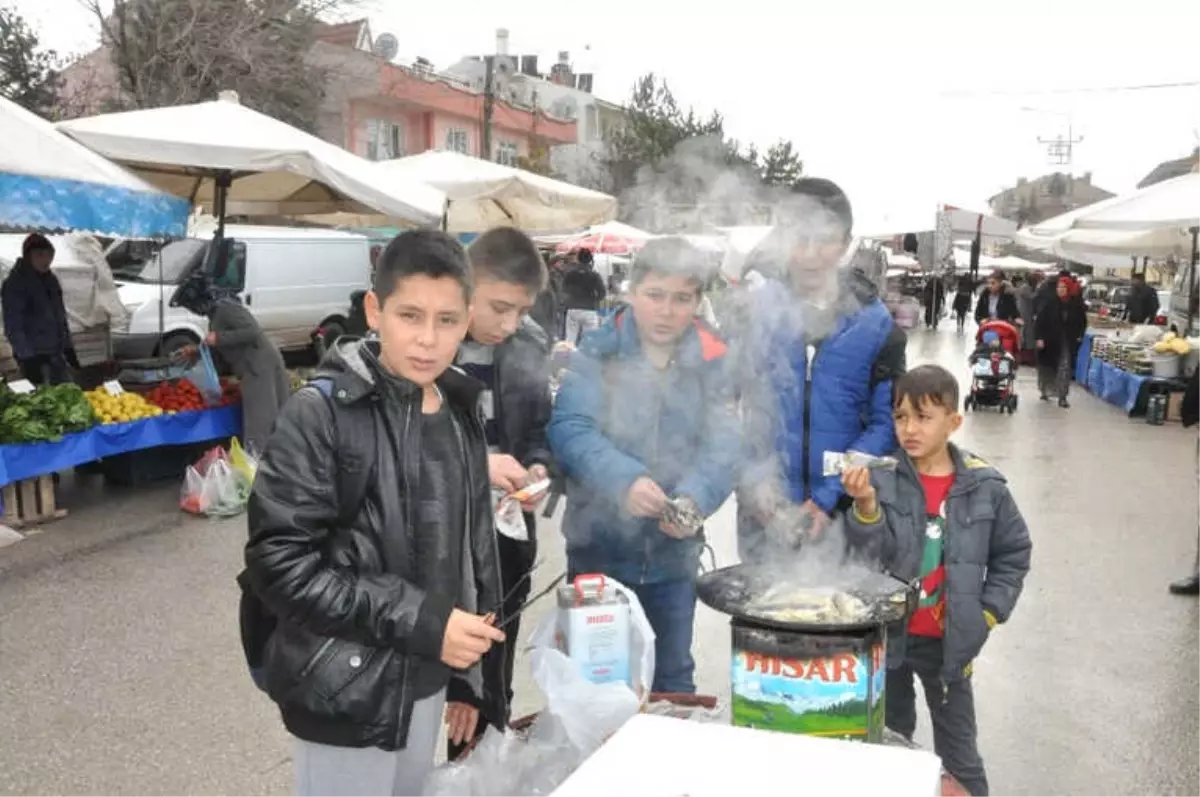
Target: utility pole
489,107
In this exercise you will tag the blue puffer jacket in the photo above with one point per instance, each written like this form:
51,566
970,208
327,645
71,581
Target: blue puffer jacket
618,418
806,397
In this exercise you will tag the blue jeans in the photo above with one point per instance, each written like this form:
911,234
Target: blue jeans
670,607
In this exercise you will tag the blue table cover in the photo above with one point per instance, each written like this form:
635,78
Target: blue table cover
1115,386
1083,358
25,461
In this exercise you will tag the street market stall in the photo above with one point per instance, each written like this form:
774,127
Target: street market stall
50,183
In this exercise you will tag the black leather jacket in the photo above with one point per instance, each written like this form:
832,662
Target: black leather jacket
350,618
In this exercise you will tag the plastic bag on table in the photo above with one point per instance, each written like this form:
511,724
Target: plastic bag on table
204,376
589,712
641,644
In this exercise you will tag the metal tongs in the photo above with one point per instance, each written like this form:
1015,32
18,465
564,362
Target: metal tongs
498,612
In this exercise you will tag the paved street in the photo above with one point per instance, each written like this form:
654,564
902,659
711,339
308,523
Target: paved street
121,671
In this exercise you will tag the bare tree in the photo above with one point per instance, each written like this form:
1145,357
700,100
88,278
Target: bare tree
171,52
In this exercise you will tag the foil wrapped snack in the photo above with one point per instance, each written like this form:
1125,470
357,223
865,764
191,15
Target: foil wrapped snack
834,463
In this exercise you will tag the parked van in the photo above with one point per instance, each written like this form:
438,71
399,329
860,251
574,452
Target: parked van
294,280
1184,295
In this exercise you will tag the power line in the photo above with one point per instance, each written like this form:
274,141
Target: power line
1086,90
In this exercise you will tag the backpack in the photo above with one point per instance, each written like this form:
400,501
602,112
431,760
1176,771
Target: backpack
256,621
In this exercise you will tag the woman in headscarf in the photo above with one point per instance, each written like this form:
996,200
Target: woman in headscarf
1060,325
256,362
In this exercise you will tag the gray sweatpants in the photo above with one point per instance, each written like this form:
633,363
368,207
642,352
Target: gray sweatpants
952,713
345,771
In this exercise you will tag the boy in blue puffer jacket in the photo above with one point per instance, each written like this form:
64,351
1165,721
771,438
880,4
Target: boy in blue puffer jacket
815,364
645,415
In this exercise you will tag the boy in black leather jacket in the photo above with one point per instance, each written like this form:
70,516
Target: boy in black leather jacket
371,544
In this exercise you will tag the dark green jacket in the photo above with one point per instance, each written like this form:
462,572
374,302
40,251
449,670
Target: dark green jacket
987,549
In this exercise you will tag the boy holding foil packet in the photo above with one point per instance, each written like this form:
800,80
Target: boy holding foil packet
946,517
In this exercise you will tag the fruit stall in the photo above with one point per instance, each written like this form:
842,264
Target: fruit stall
141,434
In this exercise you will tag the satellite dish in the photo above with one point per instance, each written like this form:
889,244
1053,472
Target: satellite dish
386,46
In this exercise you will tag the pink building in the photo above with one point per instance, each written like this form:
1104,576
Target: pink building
381,110
378,109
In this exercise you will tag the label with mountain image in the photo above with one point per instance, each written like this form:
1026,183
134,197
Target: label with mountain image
839,694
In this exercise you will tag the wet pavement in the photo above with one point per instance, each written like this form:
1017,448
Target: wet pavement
121,670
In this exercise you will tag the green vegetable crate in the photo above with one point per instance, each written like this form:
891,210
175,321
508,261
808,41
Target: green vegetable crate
30,502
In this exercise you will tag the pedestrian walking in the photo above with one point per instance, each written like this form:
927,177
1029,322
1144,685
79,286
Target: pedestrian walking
510,356
997,303
934,299
946,517
963,295
646,416
582,297
371,566
1026,291
815,365
1060,327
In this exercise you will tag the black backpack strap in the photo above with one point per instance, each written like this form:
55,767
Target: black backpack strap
352,482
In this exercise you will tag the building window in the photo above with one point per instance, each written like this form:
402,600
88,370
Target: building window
456,141
591,126
506,153
385,140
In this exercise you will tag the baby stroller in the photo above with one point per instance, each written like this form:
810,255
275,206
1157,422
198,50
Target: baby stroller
994,368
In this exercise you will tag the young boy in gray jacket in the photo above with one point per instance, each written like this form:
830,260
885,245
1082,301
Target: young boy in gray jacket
946,517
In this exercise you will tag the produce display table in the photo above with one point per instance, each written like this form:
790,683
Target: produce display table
1117,386
29,460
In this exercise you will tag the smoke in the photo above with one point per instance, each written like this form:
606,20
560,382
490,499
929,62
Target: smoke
701,184
770,330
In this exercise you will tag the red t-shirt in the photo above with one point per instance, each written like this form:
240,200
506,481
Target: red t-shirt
928,619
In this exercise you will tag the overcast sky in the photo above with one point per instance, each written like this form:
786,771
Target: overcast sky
905,104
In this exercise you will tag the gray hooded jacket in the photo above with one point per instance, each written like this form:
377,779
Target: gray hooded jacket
987,550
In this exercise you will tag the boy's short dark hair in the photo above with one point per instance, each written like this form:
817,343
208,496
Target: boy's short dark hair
828,195
508,255
417,253
671,256
931,383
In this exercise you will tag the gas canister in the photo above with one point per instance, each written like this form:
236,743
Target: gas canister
595,627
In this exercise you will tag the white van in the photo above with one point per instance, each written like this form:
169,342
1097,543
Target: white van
294,280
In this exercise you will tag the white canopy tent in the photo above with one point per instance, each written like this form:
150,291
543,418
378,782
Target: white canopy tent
268,167
50,183
483,194
1171,204
616,229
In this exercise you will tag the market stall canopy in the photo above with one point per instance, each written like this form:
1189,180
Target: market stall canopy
50,183
1173,203
610,238
483,194
278,169
1066,236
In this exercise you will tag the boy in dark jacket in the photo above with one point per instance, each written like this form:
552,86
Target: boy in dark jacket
646,415
380,594
510,354
946,517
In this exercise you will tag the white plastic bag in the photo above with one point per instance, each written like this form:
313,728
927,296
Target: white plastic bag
510,520
589,712
641,645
